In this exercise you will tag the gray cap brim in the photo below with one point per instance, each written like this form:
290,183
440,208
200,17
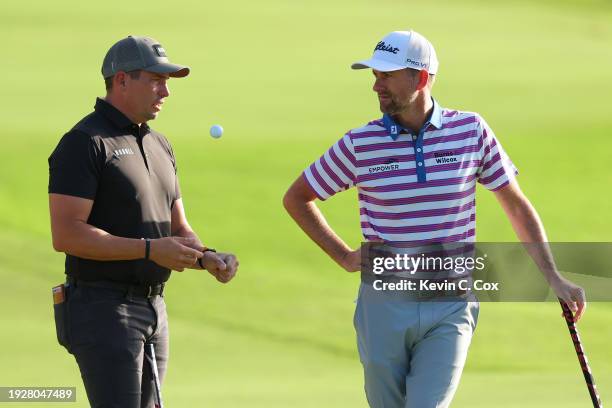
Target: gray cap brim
174,70
379,65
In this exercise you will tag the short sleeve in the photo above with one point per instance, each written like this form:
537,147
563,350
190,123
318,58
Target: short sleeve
496,169
177,187
334,171
75,166
170,150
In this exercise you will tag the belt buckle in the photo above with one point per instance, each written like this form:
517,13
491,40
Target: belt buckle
149,291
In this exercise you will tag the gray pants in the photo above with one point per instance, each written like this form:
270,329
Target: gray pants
412,352
108,331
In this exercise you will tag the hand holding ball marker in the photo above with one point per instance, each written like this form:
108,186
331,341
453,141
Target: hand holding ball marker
216,131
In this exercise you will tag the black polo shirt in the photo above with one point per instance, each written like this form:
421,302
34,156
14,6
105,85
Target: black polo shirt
130,174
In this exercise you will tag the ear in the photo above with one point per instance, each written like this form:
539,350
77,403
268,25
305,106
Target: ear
423,78
119,79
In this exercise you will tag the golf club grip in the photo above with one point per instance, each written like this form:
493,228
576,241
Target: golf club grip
584,364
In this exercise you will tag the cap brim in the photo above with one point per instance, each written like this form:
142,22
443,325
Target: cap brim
174,70
379,65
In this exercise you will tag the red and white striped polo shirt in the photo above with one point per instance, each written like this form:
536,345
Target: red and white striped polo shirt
417,188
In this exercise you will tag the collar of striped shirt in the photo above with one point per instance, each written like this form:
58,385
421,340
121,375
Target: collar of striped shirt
434,119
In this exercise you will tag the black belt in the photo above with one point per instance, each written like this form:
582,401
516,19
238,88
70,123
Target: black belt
132,289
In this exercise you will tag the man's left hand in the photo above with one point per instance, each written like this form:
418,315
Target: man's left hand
221,265
572,294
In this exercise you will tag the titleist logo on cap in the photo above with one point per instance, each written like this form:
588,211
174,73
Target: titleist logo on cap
381,46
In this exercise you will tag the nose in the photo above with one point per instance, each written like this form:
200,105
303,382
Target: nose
377,86
164,90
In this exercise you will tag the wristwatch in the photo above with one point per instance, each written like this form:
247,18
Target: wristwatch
205,250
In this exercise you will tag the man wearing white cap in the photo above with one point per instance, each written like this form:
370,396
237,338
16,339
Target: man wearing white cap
415,170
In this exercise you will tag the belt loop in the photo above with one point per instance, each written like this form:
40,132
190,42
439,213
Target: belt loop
161,291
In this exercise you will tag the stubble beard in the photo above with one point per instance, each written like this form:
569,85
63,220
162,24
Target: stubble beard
392,107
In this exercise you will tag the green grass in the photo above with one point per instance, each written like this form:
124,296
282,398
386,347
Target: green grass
275,75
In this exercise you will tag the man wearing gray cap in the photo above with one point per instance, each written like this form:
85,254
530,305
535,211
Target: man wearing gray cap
415,170
117,213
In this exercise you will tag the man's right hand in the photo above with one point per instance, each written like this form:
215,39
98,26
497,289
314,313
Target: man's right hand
351,261
176,253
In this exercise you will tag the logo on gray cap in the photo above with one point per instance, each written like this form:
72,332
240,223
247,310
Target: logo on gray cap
140,53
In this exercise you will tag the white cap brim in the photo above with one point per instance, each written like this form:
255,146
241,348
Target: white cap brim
377,64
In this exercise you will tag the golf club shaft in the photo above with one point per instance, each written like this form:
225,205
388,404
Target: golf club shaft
153,362
584,364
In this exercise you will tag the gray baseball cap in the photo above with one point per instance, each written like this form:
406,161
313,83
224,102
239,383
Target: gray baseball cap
143,53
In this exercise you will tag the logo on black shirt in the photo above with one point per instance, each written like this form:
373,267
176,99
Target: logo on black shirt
122,152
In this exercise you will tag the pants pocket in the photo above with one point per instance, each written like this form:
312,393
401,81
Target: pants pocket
62,319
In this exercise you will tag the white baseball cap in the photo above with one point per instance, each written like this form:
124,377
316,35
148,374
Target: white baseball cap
399,50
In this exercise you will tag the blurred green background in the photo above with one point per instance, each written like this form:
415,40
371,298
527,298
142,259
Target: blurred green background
276,75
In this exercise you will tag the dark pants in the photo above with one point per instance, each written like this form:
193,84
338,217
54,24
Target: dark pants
108,332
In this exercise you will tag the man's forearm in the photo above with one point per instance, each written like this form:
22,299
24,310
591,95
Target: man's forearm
86,241
530,230
185,232
310,219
